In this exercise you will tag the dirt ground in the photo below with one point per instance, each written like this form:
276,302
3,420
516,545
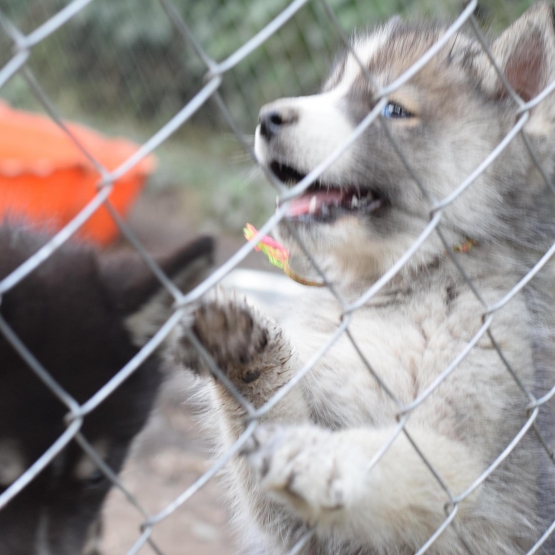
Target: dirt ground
167,458
172,452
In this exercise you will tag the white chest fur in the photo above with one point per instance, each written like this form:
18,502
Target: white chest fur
408,342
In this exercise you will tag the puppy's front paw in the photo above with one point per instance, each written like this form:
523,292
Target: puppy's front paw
304,468
233,332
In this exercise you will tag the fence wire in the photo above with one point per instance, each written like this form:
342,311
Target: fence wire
215,71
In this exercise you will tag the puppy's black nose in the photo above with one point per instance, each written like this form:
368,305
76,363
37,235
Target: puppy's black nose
273,120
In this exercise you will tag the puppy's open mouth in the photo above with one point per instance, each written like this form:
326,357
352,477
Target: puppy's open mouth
324,202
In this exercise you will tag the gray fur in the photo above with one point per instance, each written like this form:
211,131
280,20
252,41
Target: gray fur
309,461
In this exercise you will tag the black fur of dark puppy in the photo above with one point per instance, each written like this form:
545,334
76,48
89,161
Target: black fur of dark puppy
83,317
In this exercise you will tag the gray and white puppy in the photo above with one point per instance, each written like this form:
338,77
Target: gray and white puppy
316,457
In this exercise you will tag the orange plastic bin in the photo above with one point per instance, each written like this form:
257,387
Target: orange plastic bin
45,179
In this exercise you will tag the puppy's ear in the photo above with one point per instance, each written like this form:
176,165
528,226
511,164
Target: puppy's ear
525,52
138,294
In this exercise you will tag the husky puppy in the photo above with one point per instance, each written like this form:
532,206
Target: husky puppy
83,317
315,460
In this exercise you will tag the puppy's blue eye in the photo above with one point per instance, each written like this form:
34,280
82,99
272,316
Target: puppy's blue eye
392,110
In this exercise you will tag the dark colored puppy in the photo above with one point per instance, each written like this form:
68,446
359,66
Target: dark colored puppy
83,318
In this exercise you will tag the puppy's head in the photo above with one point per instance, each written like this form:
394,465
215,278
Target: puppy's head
366,209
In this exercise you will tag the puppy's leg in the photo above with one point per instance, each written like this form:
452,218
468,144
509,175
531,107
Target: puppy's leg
328,480
252,352
256,358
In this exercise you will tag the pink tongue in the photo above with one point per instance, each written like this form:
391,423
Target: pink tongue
301,205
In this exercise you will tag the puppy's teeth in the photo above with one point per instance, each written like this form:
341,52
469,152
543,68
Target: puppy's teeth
312,205
354,201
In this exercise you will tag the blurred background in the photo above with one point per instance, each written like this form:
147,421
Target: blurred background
121,67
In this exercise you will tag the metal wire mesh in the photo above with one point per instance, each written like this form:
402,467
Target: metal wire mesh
215,71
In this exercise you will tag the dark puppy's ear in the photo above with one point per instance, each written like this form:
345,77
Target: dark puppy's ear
525,52
138,294
131,283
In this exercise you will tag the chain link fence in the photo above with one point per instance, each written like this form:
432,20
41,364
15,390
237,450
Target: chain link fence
214,73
